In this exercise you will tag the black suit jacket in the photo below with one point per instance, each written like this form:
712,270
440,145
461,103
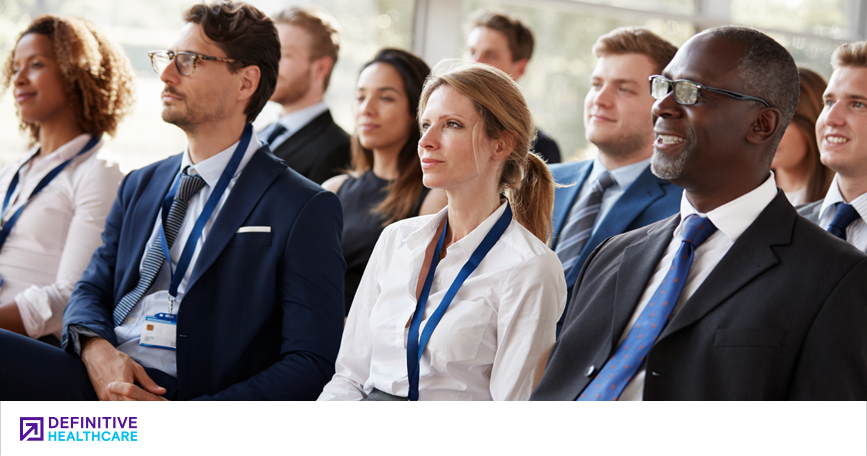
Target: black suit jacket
318,151
780,317
547,148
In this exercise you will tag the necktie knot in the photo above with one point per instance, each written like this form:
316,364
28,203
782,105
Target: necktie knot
189,185
697,229
846,214
278,130
604,181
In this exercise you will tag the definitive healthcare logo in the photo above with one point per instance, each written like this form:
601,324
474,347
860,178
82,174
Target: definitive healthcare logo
80,429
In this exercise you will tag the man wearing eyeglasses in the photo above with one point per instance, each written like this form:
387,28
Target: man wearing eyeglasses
250,304
615,192
736,297
840,130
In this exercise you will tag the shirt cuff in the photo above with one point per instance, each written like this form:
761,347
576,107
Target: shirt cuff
35,309
74,332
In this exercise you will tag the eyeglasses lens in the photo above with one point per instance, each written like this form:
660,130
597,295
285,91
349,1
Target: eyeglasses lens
659,88
185,63
685,92
160,61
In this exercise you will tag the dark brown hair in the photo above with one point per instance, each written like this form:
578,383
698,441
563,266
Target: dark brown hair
322,28
525,179
245,34
520,37
404,192
98,75
628,40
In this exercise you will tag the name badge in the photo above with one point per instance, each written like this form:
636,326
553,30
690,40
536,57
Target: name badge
159,331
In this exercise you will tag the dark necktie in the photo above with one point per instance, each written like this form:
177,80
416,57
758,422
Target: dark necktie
624,363
846,214
582,217
278,130
189,186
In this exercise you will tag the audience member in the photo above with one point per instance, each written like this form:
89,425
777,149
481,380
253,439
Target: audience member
55,199
797,167
248,308
615,192
384,184
480,271
765,304
501,40
305,136
843,211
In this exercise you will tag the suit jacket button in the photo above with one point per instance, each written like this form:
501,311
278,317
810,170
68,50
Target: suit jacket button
590,371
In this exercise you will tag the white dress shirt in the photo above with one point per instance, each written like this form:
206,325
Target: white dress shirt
487,345
293,122
731,220
623,176
156,299
55,236
856,232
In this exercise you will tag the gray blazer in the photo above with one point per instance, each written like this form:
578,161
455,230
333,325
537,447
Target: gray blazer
811,211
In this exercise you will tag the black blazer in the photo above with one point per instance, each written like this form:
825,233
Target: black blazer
780,317
547,148
318,151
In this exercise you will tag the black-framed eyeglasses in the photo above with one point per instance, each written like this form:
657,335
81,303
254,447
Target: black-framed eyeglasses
185,62
686,92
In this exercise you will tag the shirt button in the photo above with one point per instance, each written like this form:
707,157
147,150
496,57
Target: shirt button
437,281
589,371
132,319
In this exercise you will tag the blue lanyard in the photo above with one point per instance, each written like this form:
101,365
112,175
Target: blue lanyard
7,227
210,205
414,347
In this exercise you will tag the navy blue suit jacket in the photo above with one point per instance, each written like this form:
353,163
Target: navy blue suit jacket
648,200
262,315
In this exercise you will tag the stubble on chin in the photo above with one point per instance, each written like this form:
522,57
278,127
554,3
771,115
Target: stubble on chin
668,168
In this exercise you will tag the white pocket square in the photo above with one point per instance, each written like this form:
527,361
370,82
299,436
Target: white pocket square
254,229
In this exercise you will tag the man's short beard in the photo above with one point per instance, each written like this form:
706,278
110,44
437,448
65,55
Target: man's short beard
665,168
623,146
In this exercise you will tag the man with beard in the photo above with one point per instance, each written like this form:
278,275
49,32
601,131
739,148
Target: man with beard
615,192
737,297
250,304
305,136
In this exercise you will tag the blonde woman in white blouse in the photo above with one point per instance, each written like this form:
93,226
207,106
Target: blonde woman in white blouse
488,343
70,86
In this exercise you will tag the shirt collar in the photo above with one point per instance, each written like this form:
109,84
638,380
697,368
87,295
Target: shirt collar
64,152
834,196
734,217
295,121
624,176
212,168
468,244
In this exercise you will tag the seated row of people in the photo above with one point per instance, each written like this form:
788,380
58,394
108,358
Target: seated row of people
712,290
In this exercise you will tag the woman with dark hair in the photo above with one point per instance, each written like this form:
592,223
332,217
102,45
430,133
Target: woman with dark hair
385,182
71,85
797,168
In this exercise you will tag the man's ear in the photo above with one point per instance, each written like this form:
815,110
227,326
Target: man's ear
250,76
321,67
765,126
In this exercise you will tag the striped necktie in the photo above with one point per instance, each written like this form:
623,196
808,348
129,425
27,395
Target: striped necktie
624,363
846,214
581,220
188,186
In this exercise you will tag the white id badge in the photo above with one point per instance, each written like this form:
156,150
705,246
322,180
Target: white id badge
159,331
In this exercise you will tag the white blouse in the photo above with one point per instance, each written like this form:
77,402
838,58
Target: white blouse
487,345
56,234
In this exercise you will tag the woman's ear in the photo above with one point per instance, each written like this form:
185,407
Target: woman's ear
504,146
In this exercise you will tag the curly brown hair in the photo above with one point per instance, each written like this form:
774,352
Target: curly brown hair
98,74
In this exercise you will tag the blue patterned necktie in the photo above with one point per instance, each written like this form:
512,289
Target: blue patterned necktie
581,220
278,130
846,214
624,363
188,186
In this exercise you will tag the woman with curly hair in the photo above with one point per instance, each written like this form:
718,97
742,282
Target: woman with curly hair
71,85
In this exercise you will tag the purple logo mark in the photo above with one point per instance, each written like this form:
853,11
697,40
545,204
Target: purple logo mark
32,428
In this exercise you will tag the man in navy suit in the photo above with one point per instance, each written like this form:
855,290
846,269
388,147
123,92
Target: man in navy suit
617,121
250,305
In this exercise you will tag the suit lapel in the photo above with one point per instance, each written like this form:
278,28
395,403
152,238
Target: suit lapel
636,268
301,137
748,258
641,194
564,197
253,182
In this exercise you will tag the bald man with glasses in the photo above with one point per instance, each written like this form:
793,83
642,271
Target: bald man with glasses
736,297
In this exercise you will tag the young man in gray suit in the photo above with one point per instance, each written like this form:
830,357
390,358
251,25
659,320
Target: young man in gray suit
842,134
736,297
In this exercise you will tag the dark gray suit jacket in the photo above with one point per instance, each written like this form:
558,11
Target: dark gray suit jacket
811,211
780,317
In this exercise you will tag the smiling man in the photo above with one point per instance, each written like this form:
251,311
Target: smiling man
736,297
840,130
615,192
249,305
